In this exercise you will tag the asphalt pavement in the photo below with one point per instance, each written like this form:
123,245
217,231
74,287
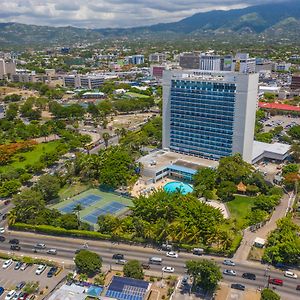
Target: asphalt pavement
66,248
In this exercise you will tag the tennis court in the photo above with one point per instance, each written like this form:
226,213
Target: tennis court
111,208
94,203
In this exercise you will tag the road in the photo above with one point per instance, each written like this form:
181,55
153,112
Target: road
66,251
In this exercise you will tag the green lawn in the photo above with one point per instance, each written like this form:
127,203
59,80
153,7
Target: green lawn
33,156
239,208
72,190
136,95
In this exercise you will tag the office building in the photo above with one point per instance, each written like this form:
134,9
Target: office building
7,69
210,62
209,114
295,84
157,57
243,63
157,71
134,59
189,61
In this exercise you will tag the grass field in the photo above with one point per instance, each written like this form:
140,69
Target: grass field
33,156
106,198
136,95
69,191
239,208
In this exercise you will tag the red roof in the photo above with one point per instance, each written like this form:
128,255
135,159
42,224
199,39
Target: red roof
278,106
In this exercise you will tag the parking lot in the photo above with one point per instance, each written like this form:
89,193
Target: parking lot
9,278
283,121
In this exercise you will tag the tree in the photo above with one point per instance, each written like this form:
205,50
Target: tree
268,294
10,187
88,262
205,182
226,190
290,168
133,269
295,149
49,186
294,132
106,138
206,274
69,221
12,111
78,207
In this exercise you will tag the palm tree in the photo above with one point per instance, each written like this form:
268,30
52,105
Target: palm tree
83,277
77,209
12,217
106,138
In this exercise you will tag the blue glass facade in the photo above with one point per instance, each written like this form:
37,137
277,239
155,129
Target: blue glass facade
202,117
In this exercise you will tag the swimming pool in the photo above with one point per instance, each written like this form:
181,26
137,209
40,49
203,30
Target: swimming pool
178,186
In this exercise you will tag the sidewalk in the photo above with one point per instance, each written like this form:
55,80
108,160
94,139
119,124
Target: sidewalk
242,253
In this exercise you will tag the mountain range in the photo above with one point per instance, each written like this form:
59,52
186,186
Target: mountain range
271,21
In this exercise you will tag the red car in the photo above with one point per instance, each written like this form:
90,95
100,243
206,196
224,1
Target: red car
298,287
276,281
6,202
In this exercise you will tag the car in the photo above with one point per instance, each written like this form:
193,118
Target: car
16,296
168,269
40,269
146,266
24,267
121,261
290,274
51,272
172,254
6,202
1,290
2,238
4,216
20,285
52,251
40,246
10,295
250,276
185,279
18,265
238,286
15,247
23,296
228,262
276,281
298,287
7,263
2,230
77,251
14,241
229,272
118,256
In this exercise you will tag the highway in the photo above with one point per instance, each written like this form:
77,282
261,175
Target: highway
66,248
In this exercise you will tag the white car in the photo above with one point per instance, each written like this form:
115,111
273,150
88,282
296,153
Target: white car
228,262
2,230
52,251
7,263
121,261
290,275
40,246
40,269
10,295
229,272
172,254
16,296
168,269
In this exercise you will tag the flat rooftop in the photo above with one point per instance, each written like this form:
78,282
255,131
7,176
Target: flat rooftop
260,148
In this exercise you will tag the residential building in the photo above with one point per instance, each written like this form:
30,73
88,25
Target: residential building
189,61
7,69
210,62
157,57
134,59
209,114
295,84
26,77
157,71
282,67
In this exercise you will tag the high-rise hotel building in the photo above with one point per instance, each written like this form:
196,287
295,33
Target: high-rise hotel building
209,114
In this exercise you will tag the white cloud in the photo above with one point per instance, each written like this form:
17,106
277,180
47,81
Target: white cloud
110,13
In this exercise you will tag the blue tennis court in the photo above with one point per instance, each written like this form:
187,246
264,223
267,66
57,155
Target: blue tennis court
127,288
84,202
110,208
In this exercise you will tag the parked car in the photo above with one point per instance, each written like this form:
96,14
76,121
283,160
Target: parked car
2,238
23,296
24,267
40,269
118,256
168,269
6,202
228,262
298,287
250,276
18,265
276,281
290,274
51,272
10,295
238,286
172,254
15,247
20,285
7,263
2,230
229,272
1,290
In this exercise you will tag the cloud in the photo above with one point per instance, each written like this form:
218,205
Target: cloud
111,13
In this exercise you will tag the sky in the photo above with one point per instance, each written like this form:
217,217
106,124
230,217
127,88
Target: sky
110,13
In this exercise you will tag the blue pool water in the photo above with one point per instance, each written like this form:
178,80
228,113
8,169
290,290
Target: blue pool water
176,186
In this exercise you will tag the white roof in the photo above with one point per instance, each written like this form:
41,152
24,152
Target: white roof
259,241
277,148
